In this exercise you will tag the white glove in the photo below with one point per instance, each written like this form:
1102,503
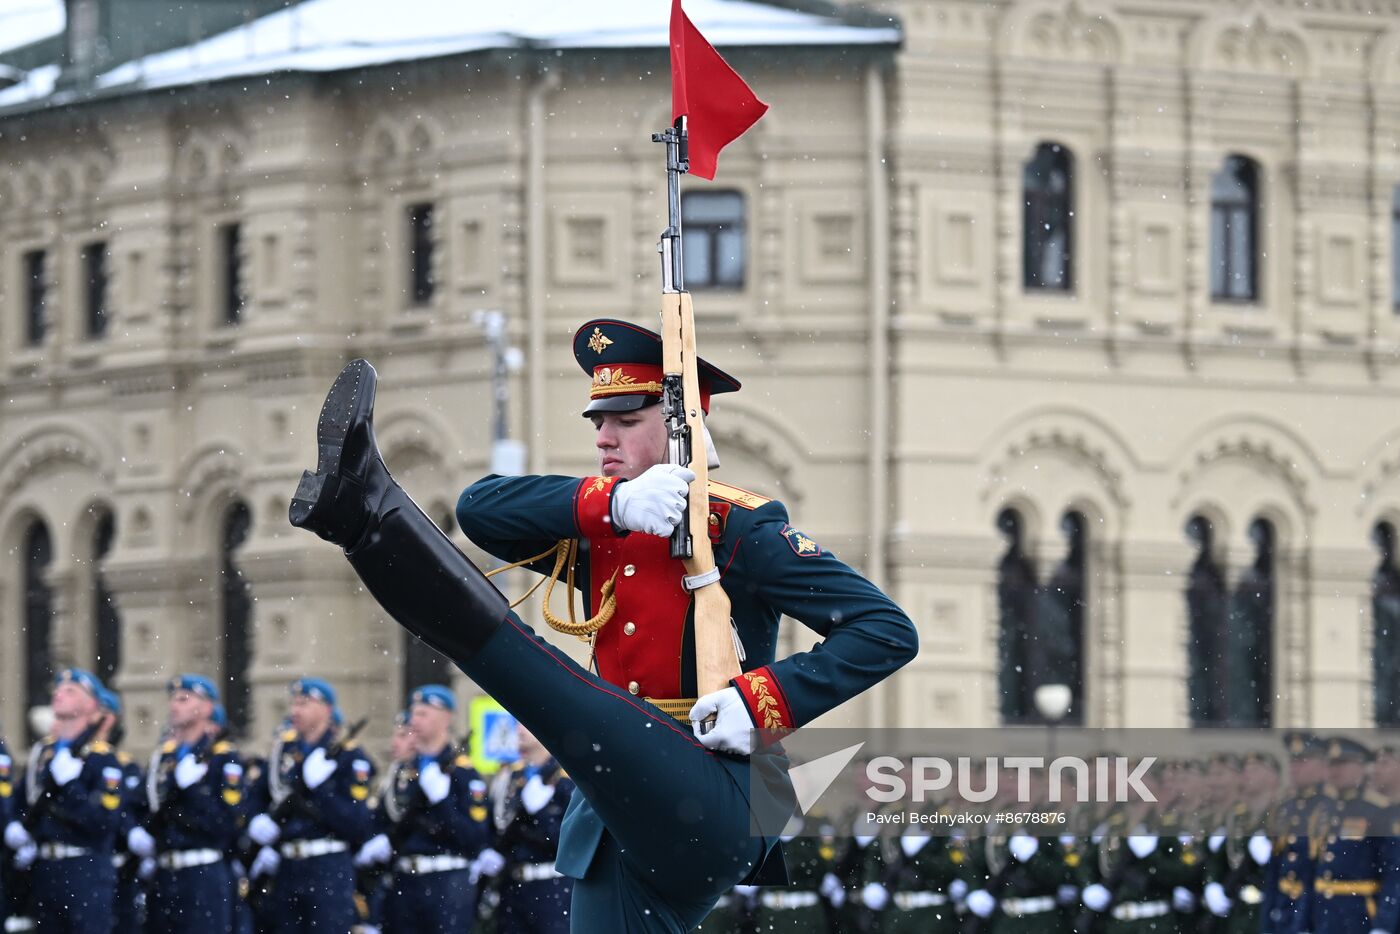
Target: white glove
1142,845
369,929
141,843
733,729
981,903
263,830
435,783
16,836
746,892
1067,894
64,767
1022,847
146,868
375,850
652,503
1183,899
1095,897
1261,848
317,768
536,794
265,863
1216,900
188,770
26,855
1216,841
875,896
489,862
830,886
958,889
1379,931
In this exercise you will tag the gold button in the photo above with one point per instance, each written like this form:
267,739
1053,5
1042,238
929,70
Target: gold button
629,570
633,687
629,629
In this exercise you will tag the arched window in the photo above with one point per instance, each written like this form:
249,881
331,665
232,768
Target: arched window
1234,224
1206,610
107,625
38,617
1016,612
1059,631
237,606
1249,636
1385,618
1048,247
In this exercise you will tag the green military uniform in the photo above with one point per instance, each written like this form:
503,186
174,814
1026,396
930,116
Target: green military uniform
1027,873
1239,872
800,907
921,873
1140,862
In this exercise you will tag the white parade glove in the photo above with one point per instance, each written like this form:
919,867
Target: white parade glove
375,850
64,767
141,843
435,783
981,903
489,862
369,929
1261,848
733,729
1183,899
1216,900
146,868
317,768
188,770
958,889
746,892
263,830
26,855
1216,841
875,896
912,843
1067,894
1022,847
16,836
265,863
1142,845
652,503
1379,931
536,794
1095,897
829,887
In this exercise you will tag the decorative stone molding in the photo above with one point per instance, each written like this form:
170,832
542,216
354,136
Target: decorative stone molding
48,446
1253,42
1064,32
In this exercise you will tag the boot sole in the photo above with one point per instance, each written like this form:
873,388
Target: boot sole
345,398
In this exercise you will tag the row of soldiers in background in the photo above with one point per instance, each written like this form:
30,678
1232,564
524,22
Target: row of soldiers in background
1321,857
210,839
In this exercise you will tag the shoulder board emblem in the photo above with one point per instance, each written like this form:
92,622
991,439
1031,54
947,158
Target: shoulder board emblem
123,757
351,744
1375,797
99,747
169,746
221,747
289,736
463,762
737,496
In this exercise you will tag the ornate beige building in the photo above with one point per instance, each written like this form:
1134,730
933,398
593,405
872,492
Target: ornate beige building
1197,320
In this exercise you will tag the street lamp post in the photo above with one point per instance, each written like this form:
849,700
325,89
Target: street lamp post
507,455
1053,702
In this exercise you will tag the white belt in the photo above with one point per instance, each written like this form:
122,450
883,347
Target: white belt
908,901
1136,911
535,872
442,862
19,924
305,849
187,859
781,901
1251,895
1020,907
60,851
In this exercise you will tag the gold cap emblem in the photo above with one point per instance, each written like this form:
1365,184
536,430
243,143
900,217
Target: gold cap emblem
597,342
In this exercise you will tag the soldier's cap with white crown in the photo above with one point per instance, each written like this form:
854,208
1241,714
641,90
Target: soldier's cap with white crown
625,362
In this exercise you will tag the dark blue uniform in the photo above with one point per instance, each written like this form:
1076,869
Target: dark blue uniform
315,886
7,814
193,828
1288,885
73,881
434,844
534,895
129,909
1357,881
654,844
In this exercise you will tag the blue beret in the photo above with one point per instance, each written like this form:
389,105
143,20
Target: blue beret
314,688
82,678
434,695
107,699
337,718
195,684
220,716
401,719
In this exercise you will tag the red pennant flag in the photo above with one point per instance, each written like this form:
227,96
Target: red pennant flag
719,105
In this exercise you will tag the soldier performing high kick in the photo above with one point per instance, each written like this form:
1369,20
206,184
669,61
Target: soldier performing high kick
661,825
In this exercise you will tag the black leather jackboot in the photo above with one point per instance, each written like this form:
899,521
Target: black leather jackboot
413,570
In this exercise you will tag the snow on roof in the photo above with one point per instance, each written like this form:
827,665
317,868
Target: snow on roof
333,35
26,21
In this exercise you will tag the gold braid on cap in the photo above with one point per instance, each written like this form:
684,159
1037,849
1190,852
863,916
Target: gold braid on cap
565,553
